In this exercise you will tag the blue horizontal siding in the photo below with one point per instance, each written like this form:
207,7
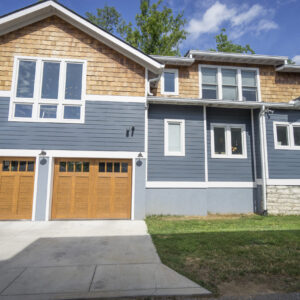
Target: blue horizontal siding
257,142
230,169
104,129
283,164
176,168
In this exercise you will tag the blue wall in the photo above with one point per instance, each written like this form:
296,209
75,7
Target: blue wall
257,142
283,164
176,168
230,169
104,129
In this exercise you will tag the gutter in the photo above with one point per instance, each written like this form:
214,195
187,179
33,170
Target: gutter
174,60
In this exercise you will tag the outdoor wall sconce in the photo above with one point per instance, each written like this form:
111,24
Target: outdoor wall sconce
42,155
132,129
139,162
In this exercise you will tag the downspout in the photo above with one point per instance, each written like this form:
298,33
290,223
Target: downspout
149,82
263,159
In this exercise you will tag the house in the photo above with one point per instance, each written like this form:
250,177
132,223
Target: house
92,128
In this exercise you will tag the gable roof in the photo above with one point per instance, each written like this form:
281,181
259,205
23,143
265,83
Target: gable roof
47,8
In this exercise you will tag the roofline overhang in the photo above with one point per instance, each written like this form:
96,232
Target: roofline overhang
289,68
237,57
219,103
174,60
47,8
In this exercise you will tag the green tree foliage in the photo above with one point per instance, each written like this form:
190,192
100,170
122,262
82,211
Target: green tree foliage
225,45
157,30
108,18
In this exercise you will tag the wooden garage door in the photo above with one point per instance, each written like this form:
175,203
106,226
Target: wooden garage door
16,188
92,189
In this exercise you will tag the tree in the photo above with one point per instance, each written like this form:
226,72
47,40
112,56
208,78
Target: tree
225,45
157,30
108,18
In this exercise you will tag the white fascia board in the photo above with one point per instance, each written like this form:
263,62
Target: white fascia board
283,182
41,10
110,98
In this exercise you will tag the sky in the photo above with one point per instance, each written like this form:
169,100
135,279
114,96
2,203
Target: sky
270,27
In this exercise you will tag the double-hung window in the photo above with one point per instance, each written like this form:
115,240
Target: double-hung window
228,83
174,137
50,90
169,82
287,135
228,141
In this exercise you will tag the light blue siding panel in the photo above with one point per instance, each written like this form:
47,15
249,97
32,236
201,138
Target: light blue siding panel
257,142
176,168
226,169
283,164
105,129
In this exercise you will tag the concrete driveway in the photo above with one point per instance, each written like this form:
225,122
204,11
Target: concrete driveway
84,259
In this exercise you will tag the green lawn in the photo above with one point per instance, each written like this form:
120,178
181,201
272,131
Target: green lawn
230,254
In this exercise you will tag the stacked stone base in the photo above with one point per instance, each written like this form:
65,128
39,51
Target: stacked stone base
283,199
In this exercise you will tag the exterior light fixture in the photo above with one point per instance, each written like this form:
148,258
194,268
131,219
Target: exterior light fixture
43,153
139,162
297,103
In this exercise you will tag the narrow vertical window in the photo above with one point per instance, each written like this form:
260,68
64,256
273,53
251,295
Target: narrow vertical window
209,83
296,132
236,141
73,81
174,137
249,86
26,79
50,80
169,84
219,140
282,135
229,84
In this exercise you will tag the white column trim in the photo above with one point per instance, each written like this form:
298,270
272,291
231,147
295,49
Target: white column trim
36,175
253,146
205,143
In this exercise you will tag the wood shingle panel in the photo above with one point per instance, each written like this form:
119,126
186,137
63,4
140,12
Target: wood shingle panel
108,72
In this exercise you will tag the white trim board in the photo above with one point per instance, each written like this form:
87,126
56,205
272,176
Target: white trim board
41,10
70,153
200,185
280,181
115,98
5,94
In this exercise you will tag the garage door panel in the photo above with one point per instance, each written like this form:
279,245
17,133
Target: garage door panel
16,188
100,189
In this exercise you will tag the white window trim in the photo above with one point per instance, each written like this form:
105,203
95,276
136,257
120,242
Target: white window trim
182,136
239,81
290,131
228,153
176,83
36,101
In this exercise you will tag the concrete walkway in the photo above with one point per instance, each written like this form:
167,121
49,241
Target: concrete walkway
84,259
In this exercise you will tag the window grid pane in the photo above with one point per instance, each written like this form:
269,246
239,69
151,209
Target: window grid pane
209,76
26,78
73,81
50,80
169,82
48,111
209,91
219,140
23,110
236,141
296,131
249,78
282,135
174,137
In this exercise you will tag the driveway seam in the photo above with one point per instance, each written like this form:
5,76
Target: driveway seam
93,277
25,268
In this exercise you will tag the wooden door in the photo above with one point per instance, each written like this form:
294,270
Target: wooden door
91,189
16,187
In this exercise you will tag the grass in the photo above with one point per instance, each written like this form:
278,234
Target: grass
232,255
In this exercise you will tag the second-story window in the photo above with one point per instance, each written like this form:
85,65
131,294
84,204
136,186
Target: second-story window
228,83
50,90
169,82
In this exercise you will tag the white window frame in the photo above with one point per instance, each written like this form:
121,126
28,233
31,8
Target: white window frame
166,137
176,83
239,81
37,100
290,132
228,152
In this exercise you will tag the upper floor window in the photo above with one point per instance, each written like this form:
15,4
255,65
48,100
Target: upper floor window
228,83
169,82
228,141
174,137
287,135
50,90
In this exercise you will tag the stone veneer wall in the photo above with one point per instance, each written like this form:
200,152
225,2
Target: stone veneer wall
283,199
